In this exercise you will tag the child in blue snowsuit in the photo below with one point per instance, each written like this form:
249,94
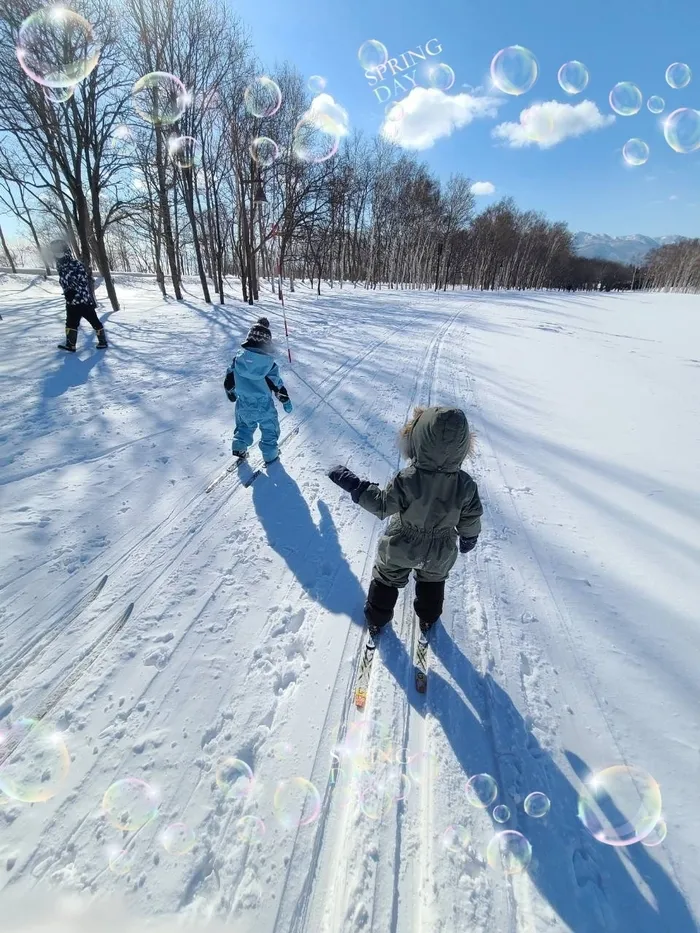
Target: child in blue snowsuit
251,381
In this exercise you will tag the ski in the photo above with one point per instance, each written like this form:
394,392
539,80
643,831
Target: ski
233,467
420,661
365,669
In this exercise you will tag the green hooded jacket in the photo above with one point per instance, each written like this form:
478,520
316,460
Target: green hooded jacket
432,502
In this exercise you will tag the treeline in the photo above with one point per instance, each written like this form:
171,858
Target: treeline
674,267
371,215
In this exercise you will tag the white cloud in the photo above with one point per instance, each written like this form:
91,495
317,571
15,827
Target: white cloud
428,114
325,110
483,187
550,123
674,197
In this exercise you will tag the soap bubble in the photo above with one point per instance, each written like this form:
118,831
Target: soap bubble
59,95
281,751
249,828
656,104
682,130
573,77
440,76
234,778
57,47
372,54
38,763
317,84
184,151
316,138
635,152
509,852
121,861
262,97
130,803
537,805
657,835
501,813
177,839
481,790
514,70
159,98
296,803
425,766
620,805
265,151
678,75
455,838
626,99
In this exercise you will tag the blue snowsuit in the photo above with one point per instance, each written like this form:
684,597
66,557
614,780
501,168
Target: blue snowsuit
256,377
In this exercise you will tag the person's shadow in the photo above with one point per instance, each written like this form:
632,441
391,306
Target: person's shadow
311,551
589,885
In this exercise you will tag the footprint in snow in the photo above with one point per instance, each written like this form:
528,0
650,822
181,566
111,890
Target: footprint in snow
157,658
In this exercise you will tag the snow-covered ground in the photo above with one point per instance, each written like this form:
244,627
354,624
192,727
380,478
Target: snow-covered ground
570,641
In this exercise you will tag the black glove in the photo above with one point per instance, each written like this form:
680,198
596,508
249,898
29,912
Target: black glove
231,395
344,478
467,544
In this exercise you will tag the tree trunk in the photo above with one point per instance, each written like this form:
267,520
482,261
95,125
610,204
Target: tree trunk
165,214
10,260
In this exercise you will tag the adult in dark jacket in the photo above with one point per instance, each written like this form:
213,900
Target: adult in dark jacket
79,301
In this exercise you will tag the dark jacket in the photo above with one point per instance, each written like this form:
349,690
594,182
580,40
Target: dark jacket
74,281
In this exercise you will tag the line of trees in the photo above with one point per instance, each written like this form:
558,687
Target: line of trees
372,215
674,267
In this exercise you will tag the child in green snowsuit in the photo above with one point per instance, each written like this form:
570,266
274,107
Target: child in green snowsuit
434,504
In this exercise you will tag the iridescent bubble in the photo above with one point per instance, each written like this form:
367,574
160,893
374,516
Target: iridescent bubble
184,151
620,805
178,839
481,790
37,765
455,838
316,139
656,104
57,47
265,151
234,778
130,803
678,75
262,97
514,70
250,828
657,835
501,813
59,95
440,76
121,861
509,852
425,766
160,98
626,99
296,803
635,152
281,751
682,130
573,77
537,805
372,54
317,84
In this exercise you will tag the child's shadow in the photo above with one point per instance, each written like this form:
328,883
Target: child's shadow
590,885
311,551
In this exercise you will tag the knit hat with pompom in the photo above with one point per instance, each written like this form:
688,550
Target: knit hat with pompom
259,336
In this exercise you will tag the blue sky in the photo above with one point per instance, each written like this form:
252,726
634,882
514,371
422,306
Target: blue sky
583,180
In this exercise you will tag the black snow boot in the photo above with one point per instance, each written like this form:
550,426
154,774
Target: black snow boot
102,339
379,608
71,339
428,603
241,454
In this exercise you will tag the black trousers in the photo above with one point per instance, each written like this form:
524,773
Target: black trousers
381,600
75,312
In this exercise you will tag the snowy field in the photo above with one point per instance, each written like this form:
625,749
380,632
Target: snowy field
570,641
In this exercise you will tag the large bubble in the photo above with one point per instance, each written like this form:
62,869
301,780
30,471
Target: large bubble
160,98
573,77
250,828
38,765
59,95
121,861
455,838
682,130
656,104
130,803
184,151
440,76
635,152
57,47
536,805
234,778
678,75
514,70
296,803
620,805
317,84
481,790
264,151
372,54
178,839
262,97
626,99
316,138
509,852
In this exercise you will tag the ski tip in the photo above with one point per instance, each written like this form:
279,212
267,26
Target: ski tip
421,683
360,699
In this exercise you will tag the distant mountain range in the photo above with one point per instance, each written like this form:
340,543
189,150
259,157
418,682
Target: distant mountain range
627,249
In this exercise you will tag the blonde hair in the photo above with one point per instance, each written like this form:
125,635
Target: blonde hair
405,445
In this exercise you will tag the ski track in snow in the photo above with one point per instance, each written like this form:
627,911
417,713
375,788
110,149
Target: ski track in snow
247,627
